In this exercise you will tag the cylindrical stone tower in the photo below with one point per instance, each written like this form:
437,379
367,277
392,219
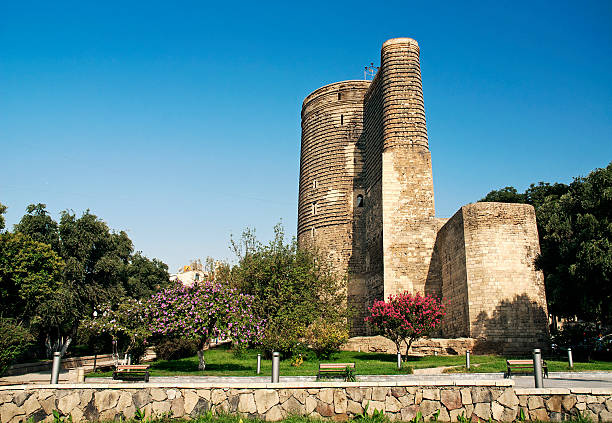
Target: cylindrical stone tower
332,121
409,228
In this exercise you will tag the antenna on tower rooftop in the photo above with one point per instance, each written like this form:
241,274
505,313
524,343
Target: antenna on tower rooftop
370,71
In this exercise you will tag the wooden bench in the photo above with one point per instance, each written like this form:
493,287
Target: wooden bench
523,367
131,372
331,368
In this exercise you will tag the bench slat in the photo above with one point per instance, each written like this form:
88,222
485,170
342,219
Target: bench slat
518,365
334,367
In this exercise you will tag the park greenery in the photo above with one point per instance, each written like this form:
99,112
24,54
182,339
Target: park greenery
53,275
76,279
295,289
575,230
222,361
204,311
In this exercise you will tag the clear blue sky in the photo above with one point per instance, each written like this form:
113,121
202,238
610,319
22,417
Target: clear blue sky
180,121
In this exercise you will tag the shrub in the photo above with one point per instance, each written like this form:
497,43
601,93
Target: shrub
14,341
283,335
176,348
325,338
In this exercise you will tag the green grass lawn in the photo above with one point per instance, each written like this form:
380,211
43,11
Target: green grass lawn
223,362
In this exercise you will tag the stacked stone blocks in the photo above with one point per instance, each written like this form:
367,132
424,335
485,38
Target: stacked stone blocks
498,401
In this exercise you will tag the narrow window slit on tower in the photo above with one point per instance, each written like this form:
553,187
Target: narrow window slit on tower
360,200
341,119
339,96
314,207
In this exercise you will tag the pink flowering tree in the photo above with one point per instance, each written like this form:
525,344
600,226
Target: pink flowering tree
406,318
204,311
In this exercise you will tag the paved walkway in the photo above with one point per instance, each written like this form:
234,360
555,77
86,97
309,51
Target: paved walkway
556,379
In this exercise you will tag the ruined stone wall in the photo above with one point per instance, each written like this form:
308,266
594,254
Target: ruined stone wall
507,302
337,401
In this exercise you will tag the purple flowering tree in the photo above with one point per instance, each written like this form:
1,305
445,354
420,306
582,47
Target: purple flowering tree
204,311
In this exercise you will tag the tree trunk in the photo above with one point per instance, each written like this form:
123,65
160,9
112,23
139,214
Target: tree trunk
408,345
201,360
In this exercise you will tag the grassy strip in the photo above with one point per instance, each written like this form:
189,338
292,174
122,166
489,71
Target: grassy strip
230,418
224,362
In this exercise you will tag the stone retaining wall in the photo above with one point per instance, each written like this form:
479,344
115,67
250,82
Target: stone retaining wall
482,400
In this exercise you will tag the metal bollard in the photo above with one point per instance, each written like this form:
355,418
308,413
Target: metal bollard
467,359
57,360
258,363
570,358
81,375
399,360
537,368
275,367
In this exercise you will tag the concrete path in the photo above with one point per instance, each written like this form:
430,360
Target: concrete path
556,380
39,378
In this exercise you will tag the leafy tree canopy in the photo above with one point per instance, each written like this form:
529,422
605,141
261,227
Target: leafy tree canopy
30,274
293,288
576,244
98,266
39,226
2,211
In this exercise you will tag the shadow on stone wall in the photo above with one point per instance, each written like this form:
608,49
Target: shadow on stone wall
516,326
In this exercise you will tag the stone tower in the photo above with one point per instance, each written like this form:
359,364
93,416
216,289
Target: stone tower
366,201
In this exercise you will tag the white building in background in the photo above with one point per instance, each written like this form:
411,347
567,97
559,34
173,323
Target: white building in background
194,272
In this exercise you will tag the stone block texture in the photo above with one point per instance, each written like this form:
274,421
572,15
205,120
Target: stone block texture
339,403
366,201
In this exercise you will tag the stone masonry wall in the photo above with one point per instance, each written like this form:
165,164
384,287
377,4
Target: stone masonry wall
330,163
409,226
450,252
482,400
507,303
372,181
486,251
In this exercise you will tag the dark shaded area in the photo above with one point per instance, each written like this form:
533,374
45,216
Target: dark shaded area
525,319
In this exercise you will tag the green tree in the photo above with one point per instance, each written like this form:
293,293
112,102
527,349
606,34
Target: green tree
145,276
100,268
2,221
576,244
30,273
505,195
39,226
96,258
31,287
14,341
293,288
